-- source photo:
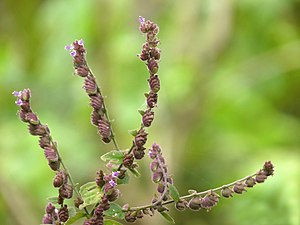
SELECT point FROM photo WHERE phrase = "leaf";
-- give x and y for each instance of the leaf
(174, 192)
(72, 211)
(111, 222)
(133, 132)
(53, 200)
(73, 219)
(141, 112)
(115, 211)
(90, 193)
(114, 155)
(135, 172)
(167, 217)
(125, 180)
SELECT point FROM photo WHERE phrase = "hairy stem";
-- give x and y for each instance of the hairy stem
(190, 195)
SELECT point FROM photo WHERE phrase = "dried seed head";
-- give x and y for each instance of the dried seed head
(148, 118)
(239, 187)
(152, 99)
(250, 182)
(104, 130)
(141, 138)
(210, 200)
(63, 213)
(154, 83)
(50, 208)
(268, 168)
(261, 176)
(181, 205)
(128, 160)
(226, 192)
(195, 203)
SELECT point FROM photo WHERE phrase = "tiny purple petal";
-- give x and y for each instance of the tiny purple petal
(80, 42)
(19, 102)
(112, 183)
(73, 53)
(141, 19)
(17, 93)
(69, 47)
(115, 174)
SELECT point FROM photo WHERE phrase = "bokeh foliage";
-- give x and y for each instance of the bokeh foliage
(230, 76)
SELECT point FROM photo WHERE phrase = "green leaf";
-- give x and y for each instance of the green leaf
(125, 180)
(114, 155)
(167, 217)
(73, 219)
(174, 192)
(72, 211)
(135, 172)
(133, 132)
(90, 193)
(141, 112)
(53, 200)
(111, 222)
(115, 211)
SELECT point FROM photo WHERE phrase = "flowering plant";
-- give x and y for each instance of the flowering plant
(95, 201)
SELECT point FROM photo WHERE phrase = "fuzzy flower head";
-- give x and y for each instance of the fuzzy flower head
(112, 183)
(115, 174)
(72, 47)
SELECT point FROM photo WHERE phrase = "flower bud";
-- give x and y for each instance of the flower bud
(157, 176)
(128, 160)
(44, 141)
(239, 187)
(104, 130)
(59, 179)
(250, 182)
(152, 66)
(138, 153)
(90, 85)
(99, 179)
(181, 205)
(154, 83)
(32, 118)
(260, 176)
(54, 165)
(210, 200)
(268, 168)
(226, 192)
(96, 101)
(194, 203)
(148, 118)
(114, 195)
(130, 217)
(50, 208)
(63, 213)
(78, 201)
(160, 188)
(51, 154)
(141, 138)
(47, 219)
(152, 99)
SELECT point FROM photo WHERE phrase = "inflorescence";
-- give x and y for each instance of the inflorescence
(101, 194)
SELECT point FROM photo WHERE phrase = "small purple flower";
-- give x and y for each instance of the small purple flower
(112, 183)
(19, 102)
(115, 174)
(80, 42)
(17, 93)
(141, 19)
(69, 47)
(73, 53)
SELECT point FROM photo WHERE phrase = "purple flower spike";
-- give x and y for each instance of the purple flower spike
(19, 102)
(115, 174)
(69, 47)
(141, 19)
(112, 183)
(73, 53)
(17, 93)
(80, 42)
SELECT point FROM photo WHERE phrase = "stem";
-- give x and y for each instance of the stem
(67, 171)
(106, 115)
(190, 195)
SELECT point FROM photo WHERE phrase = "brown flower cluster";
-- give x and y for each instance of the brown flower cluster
(98, 117)
(49, 146)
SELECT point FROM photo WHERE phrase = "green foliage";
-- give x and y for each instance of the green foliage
(74, 218)
(174, 192)
(115, 211)
(111, 222)
(91, 194)
(114, 156)
(167, 217)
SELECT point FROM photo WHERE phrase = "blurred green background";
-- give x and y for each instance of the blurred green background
(229, 100)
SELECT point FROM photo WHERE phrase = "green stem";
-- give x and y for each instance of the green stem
(67, 171)
(191, 195)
